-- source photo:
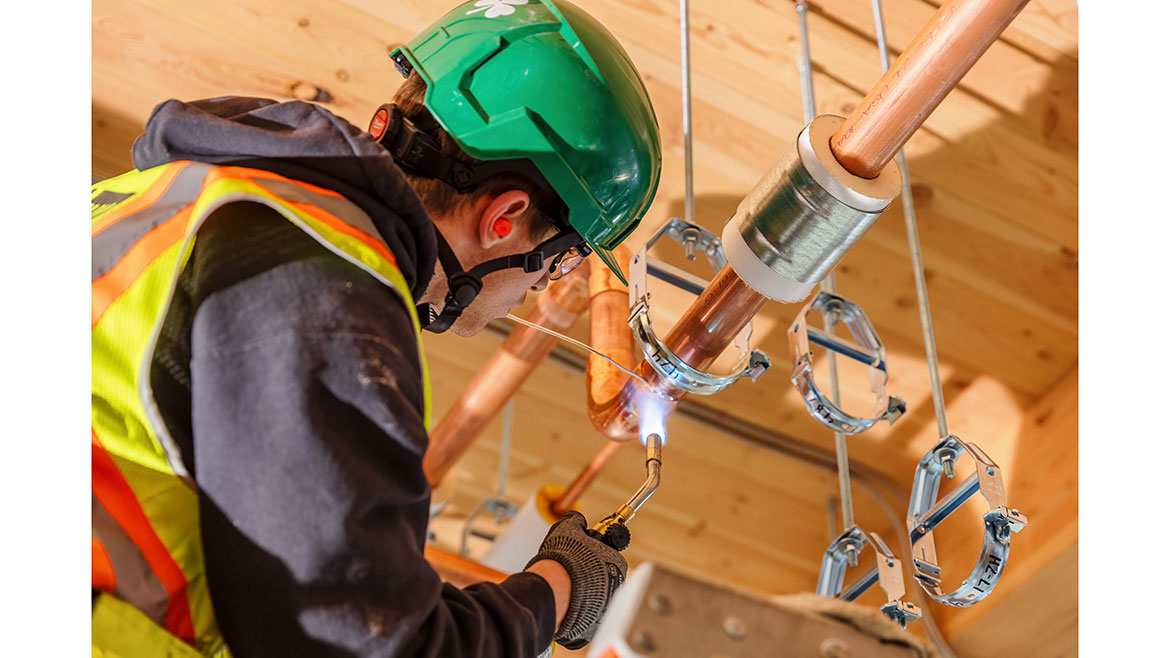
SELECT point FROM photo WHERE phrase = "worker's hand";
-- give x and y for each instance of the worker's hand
(595, 570)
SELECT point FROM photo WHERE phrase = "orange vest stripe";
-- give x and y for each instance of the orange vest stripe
(341, 227)
(263, 174)
(111, 285)
(144, 200)
(118, 498)
(314, 211)
(103, 572)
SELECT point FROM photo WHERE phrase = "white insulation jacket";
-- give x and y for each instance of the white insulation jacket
(519, 541)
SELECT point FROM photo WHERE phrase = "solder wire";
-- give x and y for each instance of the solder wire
(585, 346)
(829, 283)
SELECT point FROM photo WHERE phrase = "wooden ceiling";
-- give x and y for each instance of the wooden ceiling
(995, 186)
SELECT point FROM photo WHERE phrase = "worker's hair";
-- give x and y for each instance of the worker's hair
(440, 198)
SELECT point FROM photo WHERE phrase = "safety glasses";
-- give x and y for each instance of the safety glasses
(567, 251)
(568, 261)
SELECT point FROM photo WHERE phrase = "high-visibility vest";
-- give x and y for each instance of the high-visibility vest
(146, 545)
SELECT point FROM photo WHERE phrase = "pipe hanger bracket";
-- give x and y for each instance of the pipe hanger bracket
(695, 239)
(887, 573)
(926, 512)
(868, 350)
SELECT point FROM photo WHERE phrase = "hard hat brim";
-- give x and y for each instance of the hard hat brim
(611, 261)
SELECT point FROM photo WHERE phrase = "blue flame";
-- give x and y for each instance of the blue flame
(652, 412)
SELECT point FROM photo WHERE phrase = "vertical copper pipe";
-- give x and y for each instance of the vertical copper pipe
(558, 308)
(609, 308)
(460, 571)
(931, 66)
(700, 336)
(585, 478)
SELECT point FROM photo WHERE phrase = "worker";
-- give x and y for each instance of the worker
(260, 400)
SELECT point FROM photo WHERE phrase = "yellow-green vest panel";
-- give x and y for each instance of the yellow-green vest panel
(146, 544)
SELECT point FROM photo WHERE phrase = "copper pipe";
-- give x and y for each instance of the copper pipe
(609, 308)
(585, 478)
(931, 66)
(460, 571)
(499, 379)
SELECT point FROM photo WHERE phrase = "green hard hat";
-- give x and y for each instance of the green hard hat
(543, 80)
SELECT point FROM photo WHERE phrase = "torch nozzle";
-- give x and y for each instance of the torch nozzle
(653, 466)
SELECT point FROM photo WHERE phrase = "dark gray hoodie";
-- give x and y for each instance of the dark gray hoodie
(291, 381)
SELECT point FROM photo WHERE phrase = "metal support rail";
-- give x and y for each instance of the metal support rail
(936, 392)
(499, 506)
(684, 30)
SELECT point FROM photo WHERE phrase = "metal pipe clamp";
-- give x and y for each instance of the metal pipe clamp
(926, 512)
(887, 573)
(751, 363)
(868, 350)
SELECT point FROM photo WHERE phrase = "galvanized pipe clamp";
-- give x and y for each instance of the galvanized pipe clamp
(926, 512)
(751, 364)
(868, 350)
(887, 573)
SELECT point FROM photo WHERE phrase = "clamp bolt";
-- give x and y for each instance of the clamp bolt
(851, 555)
(690, 236)
(948, 464)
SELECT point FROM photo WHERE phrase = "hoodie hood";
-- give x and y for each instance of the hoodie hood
(304, 142)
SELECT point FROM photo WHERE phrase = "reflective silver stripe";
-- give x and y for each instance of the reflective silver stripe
(339, 207)
(111, 244)
(134, 580)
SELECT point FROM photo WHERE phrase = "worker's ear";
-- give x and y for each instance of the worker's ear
(499, 218)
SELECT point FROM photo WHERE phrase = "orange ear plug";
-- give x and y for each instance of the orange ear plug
(502, 227)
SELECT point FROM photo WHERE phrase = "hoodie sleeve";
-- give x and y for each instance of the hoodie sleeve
(308, 440)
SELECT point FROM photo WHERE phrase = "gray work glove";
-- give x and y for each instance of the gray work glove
(595, 570)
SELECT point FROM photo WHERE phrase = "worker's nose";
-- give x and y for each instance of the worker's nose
(541, 283)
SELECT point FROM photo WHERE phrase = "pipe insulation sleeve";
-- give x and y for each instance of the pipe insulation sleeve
(803, 216)
(756, 274)
(519, 541)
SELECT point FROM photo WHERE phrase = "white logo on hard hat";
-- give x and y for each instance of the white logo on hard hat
(497, 8)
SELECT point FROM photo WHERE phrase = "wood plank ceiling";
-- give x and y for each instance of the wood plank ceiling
(995, 184)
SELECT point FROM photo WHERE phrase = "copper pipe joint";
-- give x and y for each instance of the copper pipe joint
(931, 66)
(558, 308)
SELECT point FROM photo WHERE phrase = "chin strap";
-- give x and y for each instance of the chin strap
(464, 287)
